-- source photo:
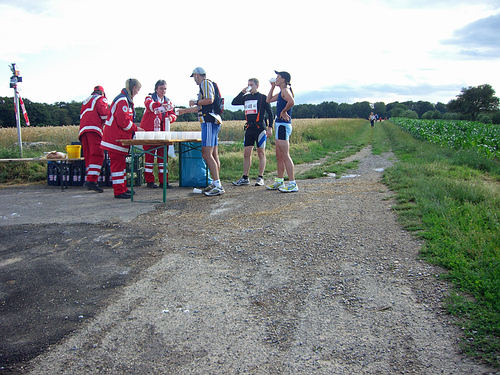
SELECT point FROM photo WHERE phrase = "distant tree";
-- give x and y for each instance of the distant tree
(361, 109)
(421, 107)
(474, 100)
(441, 107)
(326, 110)
(398, 109)
(409, 114)
(496, 117)
(380, 108)
(484, 118)
(344, 110)
(431, 115)
(451, 116)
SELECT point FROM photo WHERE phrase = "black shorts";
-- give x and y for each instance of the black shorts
(255, 136)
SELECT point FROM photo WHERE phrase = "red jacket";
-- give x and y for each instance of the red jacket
(95, 110)
(120, 124)
(151, 103)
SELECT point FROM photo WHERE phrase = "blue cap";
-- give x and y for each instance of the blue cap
(198, 70)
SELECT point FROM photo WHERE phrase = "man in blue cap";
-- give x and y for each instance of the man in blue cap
(210, 127)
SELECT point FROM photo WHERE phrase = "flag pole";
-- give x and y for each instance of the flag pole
(18, 122)
(13, 83)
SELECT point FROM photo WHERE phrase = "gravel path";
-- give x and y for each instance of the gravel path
(323, 281)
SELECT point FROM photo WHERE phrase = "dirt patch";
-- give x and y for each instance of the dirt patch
(323, 281)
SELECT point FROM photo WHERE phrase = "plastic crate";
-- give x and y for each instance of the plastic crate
(104, 178)
(138, 170)
(53, 178)
(77, 173)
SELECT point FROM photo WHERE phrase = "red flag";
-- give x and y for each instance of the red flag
(25, 114)
(23, 108)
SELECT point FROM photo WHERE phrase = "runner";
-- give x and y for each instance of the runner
(257, 129)
(283, 130)
(210, 127)
(372, 119)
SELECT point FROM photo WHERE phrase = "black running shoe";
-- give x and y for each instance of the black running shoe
(93, 186)
(123, 196)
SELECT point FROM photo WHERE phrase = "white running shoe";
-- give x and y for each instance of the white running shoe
(259, 181)
(290, 188)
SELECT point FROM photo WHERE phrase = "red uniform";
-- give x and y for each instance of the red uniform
(94, 112)
(119, 125)
(152, 102)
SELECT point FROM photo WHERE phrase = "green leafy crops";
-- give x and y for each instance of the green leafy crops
(484, 138)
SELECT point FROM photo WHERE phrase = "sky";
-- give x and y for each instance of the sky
(343, 51)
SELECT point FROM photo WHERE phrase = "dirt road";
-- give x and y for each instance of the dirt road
(323, 281)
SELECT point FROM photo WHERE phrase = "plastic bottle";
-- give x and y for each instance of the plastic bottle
(157, 124)
(167, 123)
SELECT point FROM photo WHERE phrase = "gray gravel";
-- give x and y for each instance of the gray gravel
(323, 281)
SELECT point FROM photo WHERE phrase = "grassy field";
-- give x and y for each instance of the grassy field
(310, 140)
(451, 199)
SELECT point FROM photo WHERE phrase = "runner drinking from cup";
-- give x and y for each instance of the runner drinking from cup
(283, 129)
(257, 129)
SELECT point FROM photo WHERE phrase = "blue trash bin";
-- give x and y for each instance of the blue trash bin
(193, 171)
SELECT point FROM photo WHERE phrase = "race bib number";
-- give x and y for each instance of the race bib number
(250, 107)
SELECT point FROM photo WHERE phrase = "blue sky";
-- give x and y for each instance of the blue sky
(345, 51)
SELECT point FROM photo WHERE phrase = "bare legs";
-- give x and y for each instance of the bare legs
(211, 157)
(247, 160)
(284, 160)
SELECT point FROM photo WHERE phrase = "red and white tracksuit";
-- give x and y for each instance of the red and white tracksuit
(94, 112)
(119, 125)
(152, 102)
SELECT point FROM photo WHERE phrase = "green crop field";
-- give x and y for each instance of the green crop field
(485, 138)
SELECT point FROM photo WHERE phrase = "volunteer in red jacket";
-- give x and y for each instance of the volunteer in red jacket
(157, 106)
(94, 112)
(120, 125)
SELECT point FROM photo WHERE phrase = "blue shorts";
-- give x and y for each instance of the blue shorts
(283, 130)
(209, 134)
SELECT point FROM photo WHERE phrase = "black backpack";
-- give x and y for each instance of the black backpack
(218, 104)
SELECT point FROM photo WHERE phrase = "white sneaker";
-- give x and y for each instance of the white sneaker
(290, 188)
(259, 181)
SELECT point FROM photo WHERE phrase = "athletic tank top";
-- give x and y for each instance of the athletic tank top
(281, 103)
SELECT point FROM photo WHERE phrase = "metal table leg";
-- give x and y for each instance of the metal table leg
(132, 152)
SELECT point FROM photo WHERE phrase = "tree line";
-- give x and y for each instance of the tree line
(473, 103)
